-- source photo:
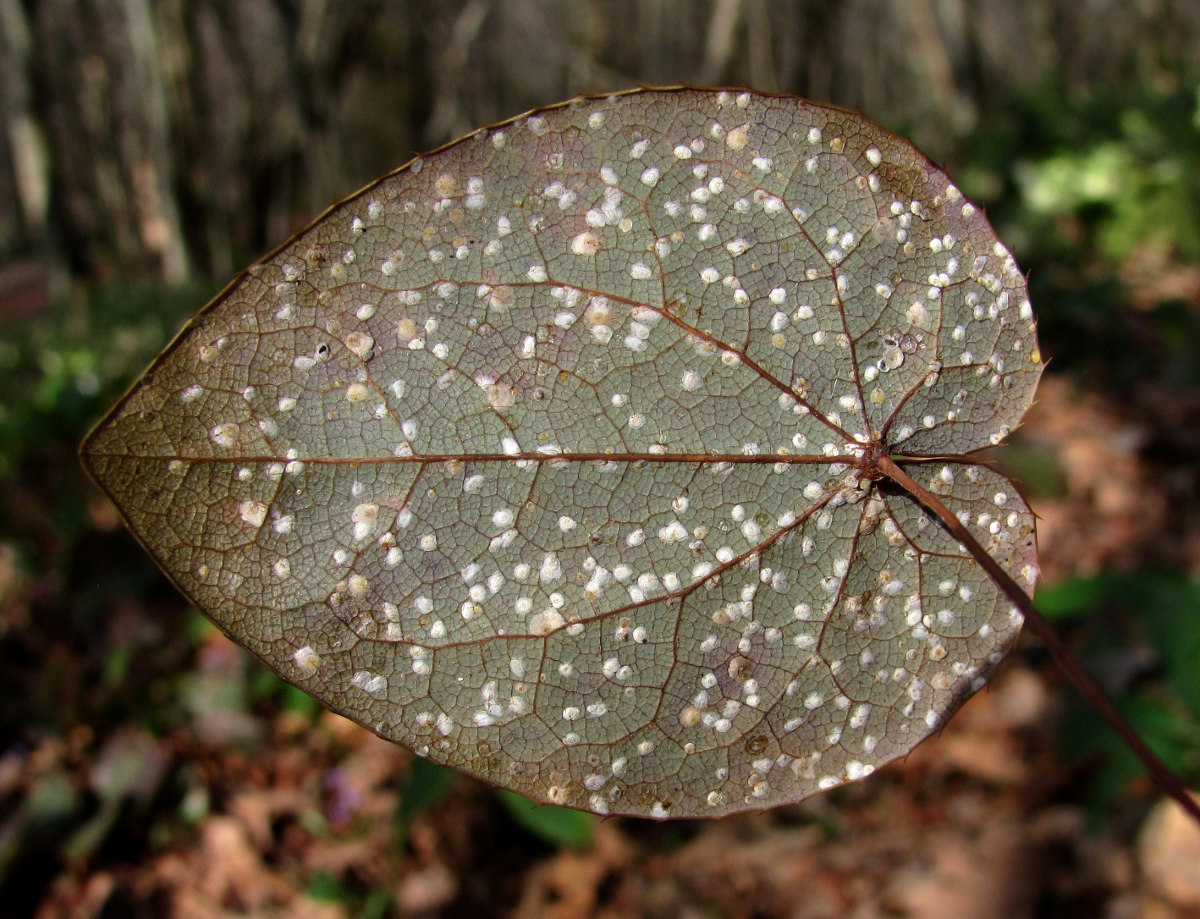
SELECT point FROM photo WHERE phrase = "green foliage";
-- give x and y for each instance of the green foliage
(74, 661)
(1100, 199)
(558, 826)
(357, 902)
(1129, 174)
(58, 369)
(426, 786)
(1142, 632)
(266, 686)
(1123, 155)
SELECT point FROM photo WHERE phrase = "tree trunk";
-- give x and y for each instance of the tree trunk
(165, 138)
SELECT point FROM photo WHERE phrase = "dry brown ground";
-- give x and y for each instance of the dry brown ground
(985, 820)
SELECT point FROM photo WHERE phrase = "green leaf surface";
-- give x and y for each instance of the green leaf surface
(551, 454)
(559, 826)
(1156, 686)
(427, 784)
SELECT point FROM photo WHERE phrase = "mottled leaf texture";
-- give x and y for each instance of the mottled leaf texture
(551, 455)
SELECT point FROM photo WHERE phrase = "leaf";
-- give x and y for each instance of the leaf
(426, 786)
(1156, 686)
(559, 826)
(553, 455)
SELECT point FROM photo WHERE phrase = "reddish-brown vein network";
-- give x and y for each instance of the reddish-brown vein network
(558, 455)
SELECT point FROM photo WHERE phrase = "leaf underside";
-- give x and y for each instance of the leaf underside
(547, 455)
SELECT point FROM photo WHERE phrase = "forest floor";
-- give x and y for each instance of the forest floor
(184, 782)
(149, 768)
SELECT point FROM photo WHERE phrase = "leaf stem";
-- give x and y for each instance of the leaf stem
(1162, 774)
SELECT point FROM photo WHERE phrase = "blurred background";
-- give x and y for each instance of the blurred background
(152, 148)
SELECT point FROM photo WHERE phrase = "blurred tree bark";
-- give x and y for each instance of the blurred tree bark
(168, 138)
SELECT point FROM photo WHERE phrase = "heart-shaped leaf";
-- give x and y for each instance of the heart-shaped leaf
(554, 455)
